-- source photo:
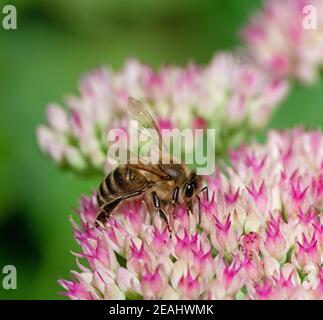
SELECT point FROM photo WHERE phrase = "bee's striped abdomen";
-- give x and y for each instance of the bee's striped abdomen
(120, 182)
(107, 190)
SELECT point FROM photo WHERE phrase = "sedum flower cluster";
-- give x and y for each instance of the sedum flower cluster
(286, 38)
(228, 94)
(259, 236)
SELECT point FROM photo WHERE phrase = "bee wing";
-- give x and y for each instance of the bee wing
(146, 125)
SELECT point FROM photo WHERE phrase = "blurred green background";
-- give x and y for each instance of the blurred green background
(56, 42)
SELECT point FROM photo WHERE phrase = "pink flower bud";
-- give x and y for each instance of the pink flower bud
(152, 283)
(307, 253)
(275, 243)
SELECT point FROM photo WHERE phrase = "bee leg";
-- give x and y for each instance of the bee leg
(174, 201)
(133, 194)
(160, 210)
(175, 195)
(206, 189)
(107, 208)
(102, 217)
(199, 204)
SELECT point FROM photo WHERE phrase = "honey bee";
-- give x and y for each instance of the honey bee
(161, 184)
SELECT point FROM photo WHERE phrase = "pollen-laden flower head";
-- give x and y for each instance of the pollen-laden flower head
(286, 38)
(228, 95)
(256, 239)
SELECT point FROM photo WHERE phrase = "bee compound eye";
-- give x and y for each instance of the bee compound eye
(189, 190)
